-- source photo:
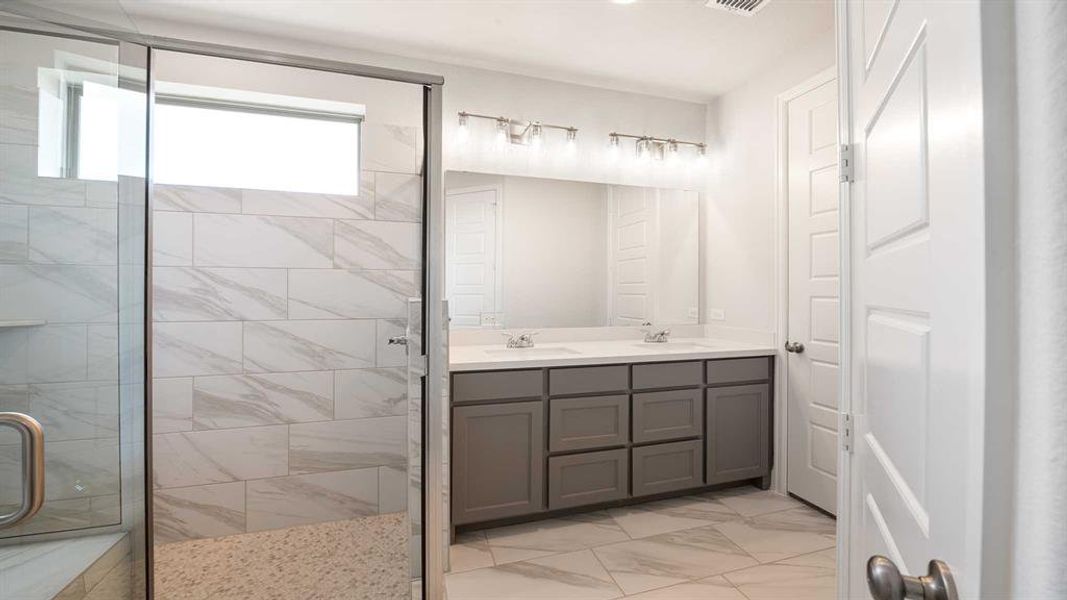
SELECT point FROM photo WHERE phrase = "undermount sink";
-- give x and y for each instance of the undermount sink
(674, 346)
(535, 351)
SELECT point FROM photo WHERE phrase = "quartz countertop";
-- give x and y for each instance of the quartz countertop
(567, 354)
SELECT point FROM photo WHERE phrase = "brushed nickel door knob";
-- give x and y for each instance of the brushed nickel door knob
(885, 581)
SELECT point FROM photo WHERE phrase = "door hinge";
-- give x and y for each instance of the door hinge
(844, 164)
(847, 432)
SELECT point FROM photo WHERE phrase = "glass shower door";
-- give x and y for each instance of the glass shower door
(72, 222)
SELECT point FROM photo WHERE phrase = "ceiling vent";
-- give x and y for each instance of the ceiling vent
(741, 7)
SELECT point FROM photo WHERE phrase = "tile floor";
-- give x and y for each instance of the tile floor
(742, 543)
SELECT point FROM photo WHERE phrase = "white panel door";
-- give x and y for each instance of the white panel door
(633, 253)
(812, 191)
(471, 257)
(917, 312)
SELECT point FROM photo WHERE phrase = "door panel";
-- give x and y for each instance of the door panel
(471, 248)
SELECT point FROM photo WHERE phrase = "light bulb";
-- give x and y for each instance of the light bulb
(463, 132)
(503, 127)
(536, 136)
(572, 141)
(672, 152)
(702, 156)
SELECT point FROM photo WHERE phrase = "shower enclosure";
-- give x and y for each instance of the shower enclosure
(212, 344)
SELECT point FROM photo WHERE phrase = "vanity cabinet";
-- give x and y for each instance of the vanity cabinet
(527, 442)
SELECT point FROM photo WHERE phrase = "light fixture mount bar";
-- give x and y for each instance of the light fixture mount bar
(519, 131)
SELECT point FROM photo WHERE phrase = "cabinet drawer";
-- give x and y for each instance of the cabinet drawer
(585, 380)
(739, 430)
(584, 423)
(661, 416)
(667, 467)
(666, 375)
(735, 370)
(496, 385)
(588, 478)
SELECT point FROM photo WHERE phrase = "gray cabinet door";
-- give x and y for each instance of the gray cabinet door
(668, 375)
(738, 432)
(586, 423)
(662, 416)
(739, 370)
(587, 478)
(497, 461)
(667, 467)
(588, 380)
(497, 385)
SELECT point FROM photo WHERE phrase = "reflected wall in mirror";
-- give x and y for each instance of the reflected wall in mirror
(524, 252)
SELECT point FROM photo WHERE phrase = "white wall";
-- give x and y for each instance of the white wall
(740, 225)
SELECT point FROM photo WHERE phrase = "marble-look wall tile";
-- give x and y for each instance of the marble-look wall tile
(303, 499)
(172, 405)
(13, 398)
(398, 197)
(57, 353)
(219, 294)
(14, 222)
(102, 352)
(377, 245)
(259, 241)
(81, 468)
(229, 401)
(14, 365)
(199, 512)
(73, 236)
(308, 345)
(201, 457)
(392, 490)
(59, 293)
(355, 444)
(105, 510)
(183, 349)
(392, 148)
(190, 198)
(105, 194)
(337, 293)
(391, 355)
(362, 393)
(18, 114)
(76, 411)
(19, 183)
(172, 235)
(57, 515)
(297, 204)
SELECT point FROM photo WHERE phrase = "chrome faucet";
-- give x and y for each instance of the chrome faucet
(523, 340)
(657, 337)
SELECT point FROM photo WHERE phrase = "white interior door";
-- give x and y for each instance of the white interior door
(811, 374)
(917, 311)
(633, 255)
(471, 279)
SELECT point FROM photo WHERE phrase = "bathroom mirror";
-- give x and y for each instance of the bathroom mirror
(529, 253)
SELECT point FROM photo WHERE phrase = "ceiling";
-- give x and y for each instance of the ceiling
(675, 48)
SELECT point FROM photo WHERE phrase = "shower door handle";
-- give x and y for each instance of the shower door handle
(32, 467)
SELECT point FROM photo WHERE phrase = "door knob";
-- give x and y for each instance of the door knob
(885, 581)
(794, 347)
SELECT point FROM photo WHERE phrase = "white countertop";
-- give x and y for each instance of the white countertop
(567, 354)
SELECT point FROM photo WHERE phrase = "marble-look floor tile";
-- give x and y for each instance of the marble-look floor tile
(377, 245)
(471, 551)
(208, 348)
(190, 198)
(641, 520)
(220, 294)
(712, 588)
(305, 499)
(199, 512)
(767, 582)
(298, 204)
(571, 576)
(352, 444)
(229, 401)
(823, 558)
(338, 293)
(259, 241)
(362, 393)
(749, 501)
(543, 538)
(172, 239)
(200, 457)
(775, 536)
(271, 346)
(671, 558)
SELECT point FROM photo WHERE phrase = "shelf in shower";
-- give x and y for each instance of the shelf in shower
(11, 323)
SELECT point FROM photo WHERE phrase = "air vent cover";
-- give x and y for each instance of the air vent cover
(741, 7)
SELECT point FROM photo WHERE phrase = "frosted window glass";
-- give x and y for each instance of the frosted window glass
(229, 148)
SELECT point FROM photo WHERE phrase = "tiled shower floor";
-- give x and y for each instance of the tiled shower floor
(741, 544)
(358, 559)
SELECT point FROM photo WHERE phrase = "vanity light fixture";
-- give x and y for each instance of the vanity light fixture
(517, 131)
(654, 148)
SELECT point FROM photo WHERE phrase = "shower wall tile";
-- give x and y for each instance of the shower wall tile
(58, 515)
(260, 241)
(81, 468)
(19, 183)
(377, 245)
(391, 355)
(183, 349)
(18, 114)
(76, 411)
(14, 223)
(362, 393)
(265, 399)
(392, 490)
(105, 194)
(393, 148)
(105, 510)
(73, 236)
(172, 239)
(172, 405)
(297, 204)
(273, 346)
(398, 197)
(102, 352)
(304, 499)
(13, 398)
(199, 512)
(202, 457)
(218, 294)
(59, 293)
(57, 353)
(355, 444)
(14, 363)
(337, 293)
(188, 198)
